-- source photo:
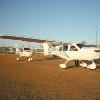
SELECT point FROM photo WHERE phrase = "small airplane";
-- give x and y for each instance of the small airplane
(72, 51)
(24, 52)
(69, 51)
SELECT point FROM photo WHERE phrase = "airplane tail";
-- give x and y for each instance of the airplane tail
(46, 48)
(17, 49)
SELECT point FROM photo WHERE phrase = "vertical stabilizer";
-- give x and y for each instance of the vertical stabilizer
(46, 48)
(17, 49)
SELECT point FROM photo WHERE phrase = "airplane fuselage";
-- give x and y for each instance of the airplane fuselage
(25, 54)
(79, 54)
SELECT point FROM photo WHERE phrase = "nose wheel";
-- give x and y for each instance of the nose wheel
(90, 66)
(29, 59)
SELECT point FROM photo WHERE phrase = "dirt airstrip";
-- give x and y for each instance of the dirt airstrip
(42, 79)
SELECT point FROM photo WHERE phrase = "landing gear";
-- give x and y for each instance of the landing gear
(77, 63)
(63, 65)
(29, 59)
(17, 58)
(90, 66)
(80, 63)
(83, 64)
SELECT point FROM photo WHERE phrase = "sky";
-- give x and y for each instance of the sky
(61, 20)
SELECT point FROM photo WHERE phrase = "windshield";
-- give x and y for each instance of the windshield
(80, 45)
(83, 45)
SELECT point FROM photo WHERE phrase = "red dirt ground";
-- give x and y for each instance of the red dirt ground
(42, 79)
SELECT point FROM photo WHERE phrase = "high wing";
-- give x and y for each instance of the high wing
(27, 39)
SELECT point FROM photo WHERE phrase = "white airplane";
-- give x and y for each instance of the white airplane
(24, 52)
(71, 51)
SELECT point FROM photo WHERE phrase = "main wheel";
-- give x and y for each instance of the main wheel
(77, 63)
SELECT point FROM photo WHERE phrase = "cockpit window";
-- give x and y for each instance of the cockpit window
(73, 48)
(80, 45)
(83, 45)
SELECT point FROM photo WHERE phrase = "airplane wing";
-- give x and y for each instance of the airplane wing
(27, 39)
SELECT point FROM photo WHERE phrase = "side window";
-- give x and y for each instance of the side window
(60, 49)
(73, 48)
(65, 48)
